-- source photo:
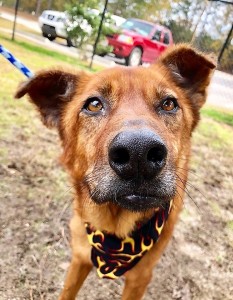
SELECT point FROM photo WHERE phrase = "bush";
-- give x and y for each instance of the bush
(83, 27)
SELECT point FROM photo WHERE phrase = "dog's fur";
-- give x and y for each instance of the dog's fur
(132, 100)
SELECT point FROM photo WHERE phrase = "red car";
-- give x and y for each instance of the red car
(140, 41)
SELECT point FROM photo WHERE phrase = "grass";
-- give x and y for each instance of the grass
(217, 134)
(6, 24)
(218, 115)
(215, 129)
(46, 53)
(230, 225)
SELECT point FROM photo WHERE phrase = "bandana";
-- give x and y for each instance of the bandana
(113, 256)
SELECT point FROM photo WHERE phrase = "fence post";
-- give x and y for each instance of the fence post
(99, 32)
(16, 11)
(225, 44)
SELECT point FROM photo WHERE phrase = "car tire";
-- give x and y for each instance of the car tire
(135, 57)
(51, 38)
(69, 42)
(102, 54)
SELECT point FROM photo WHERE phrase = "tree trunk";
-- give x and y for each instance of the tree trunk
(50, 2)
(38, 6)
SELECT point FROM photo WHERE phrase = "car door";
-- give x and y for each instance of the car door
(153, 46)
(166, 40)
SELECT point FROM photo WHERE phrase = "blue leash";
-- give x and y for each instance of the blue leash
(15, 62)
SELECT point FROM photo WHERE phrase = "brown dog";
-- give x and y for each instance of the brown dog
(126, 138)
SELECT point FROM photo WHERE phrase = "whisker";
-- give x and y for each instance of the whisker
(189, 171)
(188, 194)
(192, 186)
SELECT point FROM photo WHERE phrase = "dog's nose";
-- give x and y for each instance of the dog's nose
(137, 154)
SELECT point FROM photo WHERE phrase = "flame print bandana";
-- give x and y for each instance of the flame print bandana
(113, 256)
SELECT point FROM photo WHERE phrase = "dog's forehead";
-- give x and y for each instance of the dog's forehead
(125, 80)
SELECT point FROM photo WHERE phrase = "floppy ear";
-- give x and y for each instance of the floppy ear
(50, 91)
(190, 70)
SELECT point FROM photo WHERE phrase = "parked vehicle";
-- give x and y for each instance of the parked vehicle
(140, 41)
(117, 21)
(53, 24)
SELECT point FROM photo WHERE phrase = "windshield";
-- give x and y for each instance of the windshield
(137, 26)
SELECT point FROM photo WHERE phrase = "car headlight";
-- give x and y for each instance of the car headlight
(125, 39)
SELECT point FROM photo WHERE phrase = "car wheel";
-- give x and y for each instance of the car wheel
(135, 57)
(51, 38)
(69, 42)
(102, 54)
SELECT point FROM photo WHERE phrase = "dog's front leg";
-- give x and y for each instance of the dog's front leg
(80, 264)
(136, 284)
(76, 275)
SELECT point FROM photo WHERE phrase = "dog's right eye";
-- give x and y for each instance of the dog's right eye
(93, 105)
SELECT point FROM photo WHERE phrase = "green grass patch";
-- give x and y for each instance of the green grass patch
(230, 225)
(6, 24)
(216, 209)
(214, 134)
(218, 115)
(50, 53)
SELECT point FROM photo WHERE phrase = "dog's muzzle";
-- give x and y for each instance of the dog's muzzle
(139, 178)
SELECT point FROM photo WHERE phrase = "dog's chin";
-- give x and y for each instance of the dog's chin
(136, 203)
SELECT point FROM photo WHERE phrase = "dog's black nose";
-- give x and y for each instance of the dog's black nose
(137, 154)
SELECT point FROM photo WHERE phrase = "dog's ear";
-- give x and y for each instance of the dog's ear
(190, 70)
(50, 91)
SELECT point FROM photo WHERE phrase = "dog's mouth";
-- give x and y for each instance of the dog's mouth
(134, 196)
(136, 202)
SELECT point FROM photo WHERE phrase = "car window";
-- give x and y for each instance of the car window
(137, 26)
(44, 14)
(166, 39)
(157, 35)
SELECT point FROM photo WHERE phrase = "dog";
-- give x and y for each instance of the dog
(125, 133)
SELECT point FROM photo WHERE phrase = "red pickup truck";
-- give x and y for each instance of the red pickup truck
(140, 41)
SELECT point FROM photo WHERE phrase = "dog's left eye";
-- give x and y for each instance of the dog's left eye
(169, 104)
(93, 105)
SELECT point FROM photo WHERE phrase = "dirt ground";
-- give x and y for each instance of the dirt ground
(35, 207)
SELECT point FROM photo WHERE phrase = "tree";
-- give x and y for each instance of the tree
(147, 10)
(83, 26)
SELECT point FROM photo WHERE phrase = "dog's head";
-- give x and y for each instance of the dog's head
(126, 131)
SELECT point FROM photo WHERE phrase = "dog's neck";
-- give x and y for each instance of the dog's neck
(116, 220)
(114, 210)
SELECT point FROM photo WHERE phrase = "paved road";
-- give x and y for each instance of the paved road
(20, 20)
(220, 90)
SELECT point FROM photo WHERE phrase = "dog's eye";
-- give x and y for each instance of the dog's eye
(93, 105)
(169, 104)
